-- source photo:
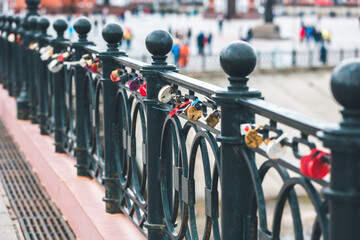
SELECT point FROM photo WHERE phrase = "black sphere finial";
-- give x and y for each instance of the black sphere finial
(159, 43)
(17, 20)
(82, 26)
(33, 22)
(238, 59)
(345, 84)
(112, 34)
(60, 26)
(43, 24)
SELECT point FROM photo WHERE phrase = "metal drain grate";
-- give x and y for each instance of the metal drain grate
(38, 216)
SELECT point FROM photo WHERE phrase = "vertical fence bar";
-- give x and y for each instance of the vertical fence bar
(343, 193)
(6, 52)
(23, 99)
(238, 60)
(43, 24)
(112, 34)
(59, 87)
(159, 44)
(1, 48)
(356, 52)
(31, 66)
(10, 57)
(16, 46)
(82, 26)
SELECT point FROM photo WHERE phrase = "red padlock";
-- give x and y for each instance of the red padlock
(179, 108)
(314, 165)
(142, 90)
(115, 76)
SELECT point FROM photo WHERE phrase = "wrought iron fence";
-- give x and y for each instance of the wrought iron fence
(127, 124)
(276, 59)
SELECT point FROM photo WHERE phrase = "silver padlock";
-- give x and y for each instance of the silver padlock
(166, 94)
(274, 148)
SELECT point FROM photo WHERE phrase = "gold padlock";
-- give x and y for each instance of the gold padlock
(86, 56)
(193, 113)
(213, 118)
(66, 55)
(253, 139)
(89, 62)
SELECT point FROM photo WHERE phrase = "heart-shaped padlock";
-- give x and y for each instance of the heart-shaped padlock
(142, 90)
(274, 148)
(213, 118)
(165, 94)
(253, 139)
(115, 75)
(313, 165)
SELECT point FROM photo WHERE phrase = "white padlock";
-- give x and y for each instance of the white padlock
(166, 94)
(55, 66)
(274, 148)
(11, 37)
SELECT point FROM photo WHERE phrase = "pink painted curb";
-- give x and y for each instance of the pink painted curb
(78, 198)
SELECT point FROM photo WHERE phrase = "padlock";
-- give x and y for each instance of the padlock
(193, 113)
(46, 53)
(134, 84)
(115, 75)
(11, 37)
(314, 165)
(34, 46)
(274, 148)
(213, 118)
(253, 139)
(180, 108)
(63, 56)
(142, 90)
(55, 66)
(245, 128)
(88, 64)
(96, 67)
(166, 94)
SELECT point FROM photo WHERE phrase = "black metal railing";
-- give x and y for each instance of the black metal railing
(143, 143)
(271, 60)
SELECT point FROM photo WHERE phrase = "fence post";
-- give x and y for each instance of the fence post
(16, 50)
(356, 52)
(82, 26)
(31, 70)
(159, 44)
(60, 26)
(43, 24)
(2, 22)
(238, 60)
(10, 57)
(293, 57)
(23, 99)
(343, 193)
(112, 34)
(6, 52)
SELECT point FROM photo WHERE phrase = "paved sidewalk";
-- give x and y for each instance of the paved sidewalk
(8, 229)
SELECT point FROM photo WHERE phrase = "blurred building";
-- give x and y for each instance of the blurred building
(57, 6)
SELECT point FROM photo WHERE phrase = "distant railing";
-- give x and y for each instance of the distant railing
(270, 60)
(141, 142)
